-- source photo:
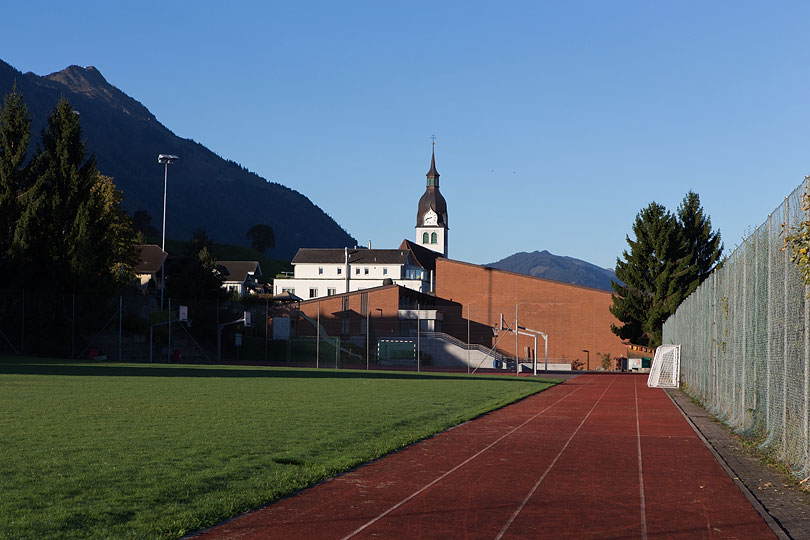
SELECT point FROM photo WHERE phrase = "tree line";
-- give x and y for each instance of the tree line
(62, 226)
(61, 222)
(669, 256)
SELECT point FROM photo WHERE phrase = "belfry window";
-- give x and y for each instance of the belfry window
(425, 238)
(433, 238)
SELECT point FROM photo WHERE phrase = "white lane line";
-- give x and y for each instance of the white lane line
(440, 478)
(551, 465)
(640, 471)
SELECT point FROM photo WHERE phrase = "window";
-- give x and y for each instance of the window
(330, 291)
(357, 271)
(425, 238)
(365, 271)
(313, 292)
(385, 271)
(320, 270)
(288, 290)
(432, 238)
(340, 271)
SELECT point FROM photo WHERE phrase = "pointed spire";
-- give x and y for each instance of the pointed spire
(433, 174)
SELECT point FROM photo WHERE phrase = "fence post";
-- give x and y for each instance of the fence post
(266, 318)
(806, 408)
(73, 328)
(785, 333)
(743, 408)
(120, 325)
(318, 337)
(22, 325)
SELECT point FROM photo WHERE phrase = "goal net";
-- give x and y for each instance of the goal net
(666, 367)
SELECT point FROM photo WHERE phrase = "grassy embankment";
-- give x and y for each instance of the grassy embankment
(156, 451)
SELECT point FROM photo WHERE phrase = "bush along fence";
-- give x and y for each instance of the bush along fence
(745, 336)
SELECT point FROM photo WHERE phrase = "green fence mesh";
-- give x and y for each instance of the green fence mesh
(745, 341)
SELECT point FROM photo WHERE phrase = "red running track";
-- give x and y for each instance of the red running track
(600, 456)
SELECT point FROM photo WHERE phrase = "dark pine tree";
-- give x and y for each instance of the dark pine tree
(702, 244)
(15, 133)
(71, 226)
(652, 273)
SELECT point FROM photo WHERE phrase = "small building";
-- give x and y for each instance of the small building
(150, 261)
(240, 277)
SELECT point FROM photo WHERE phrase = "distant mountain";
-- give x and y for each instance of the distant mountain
(204, 189)
(566, 269)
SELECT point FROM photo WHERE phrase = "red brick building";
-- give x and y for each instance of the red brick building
(575, 318)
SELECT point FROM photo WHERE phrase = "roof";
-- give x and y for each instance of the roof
(149, 259)
(424, 257)
(432, 199)
(356, 256)
(238, 270)
(433, 173)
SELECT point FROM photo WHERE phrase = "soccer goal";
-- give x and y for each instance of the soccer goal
(666, 367)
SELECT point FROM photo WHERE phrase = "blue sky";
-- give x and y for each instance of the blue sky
(555, 122)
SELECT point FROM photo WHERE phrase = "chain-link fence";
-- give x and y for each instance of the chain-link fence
(745, 340)
(132, 327)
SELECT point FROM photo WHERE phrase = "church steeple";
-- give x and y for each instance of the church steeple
(433, 174)
(431, 214)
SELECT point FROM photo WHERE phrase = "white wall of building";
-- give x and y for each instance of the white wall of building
(441, 238)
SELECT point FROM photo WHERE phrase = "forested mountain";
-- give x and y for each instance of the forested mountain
(566, 269)
(205, 190)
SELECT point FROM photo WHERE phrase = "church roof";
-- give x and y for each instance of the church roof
(433, 173)
(356, 256)
(432, 198)
(426, 258)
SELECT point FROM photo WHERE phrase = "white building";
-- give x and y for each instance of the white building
(239, 277)
(325, 272)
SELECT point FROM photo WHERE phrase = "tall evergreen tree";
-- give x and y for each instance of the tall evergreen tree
(702, 244)
(15, 133)
(652, 273)
(71, 225)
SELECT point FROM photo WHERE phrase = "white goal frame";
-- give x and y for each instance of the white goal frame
(666, 367)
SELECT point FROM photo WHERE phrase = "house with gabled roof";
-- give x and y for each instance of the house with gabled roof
(239, 277)
(150, 261)
(330, 271)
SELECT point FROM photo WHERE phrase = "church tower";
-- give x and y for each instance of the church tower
(431, 215)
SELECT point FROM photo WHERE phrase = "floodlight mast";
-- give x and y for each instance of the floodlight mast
(165, 160)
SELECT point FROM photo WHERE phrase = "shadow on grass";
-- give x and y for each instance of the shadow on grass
(13, 366)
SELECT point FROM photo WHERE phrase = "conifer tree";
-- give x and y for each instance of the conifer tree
(652, 273)
(15, 133)
(703, 245)
(71, 231)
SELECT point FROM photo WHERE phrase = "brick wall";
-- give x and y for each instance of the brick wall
(574, 317)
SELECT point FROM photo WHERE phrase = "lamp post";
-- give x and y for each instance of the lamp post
(165, 159)
(587, 358)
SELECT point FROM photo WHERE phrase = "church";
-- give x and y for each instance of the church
(330, 271)
(467, 314)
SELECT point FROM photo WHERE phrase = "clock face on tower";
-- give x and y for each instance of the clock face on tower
(430, 218)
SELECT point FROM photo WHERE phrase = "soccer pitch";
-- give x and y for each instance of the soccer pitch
(158, 451)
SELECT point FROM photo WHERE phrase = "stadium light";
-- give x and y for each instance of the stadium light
(165, 159)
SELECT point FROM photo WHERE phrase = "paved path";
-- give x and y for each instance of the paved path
(600, 456)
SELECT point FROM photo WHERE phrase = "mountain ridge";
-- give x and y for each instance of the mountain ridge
(546, 265)
(204, 189)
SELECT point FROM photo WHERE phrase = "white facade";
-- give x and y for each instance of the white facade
(316, 280)
(432, 237)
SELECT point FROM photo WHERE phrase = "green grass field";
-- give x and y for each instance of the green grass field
(157, 451)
